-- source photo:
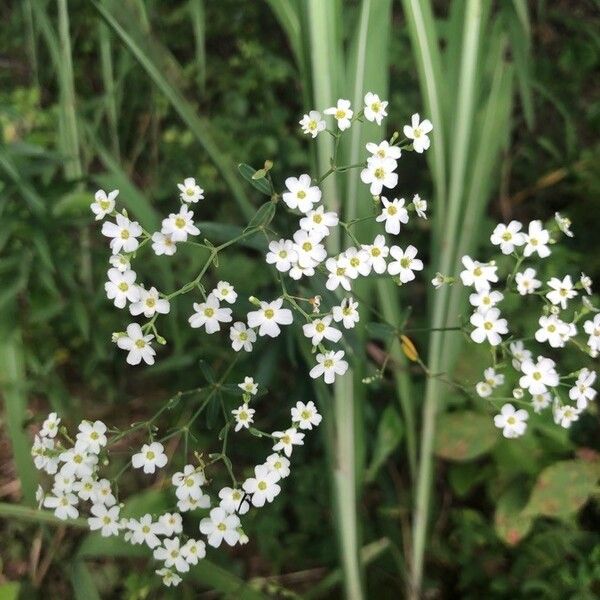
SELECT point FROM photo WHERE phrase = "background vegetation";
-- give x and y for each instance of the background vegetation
(137, 95)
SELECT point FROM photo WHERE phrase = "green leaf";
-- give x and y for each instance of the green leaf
(82, 582)
(74, 203)
(563, 488)
(255, 178)
(510, 523)
(464, 435)
(389, 435)
(264, 215)
(10, 590)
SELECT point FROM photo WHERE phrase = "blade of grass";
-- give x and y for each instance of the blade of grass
(199, 26)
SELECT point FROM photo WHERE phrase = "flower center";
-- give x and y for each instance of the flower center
(283, 253)
(392, 210)
(189, 192)
(375, 251)
(379, 173)
(243, 416)
(477, 271)
(94, 435)
(106, 520)
(488, 325)
(340, 113)
(150, 455)
(376, 107)
(123, 286)
(328, 363)
(286, 440)
(301, 194)
(189, 482)
(320, 327)
(305, 414)
(537, 375)
(405, 263)
(104, 204)
(145, 529)
(243, 336)
(417, 132)
(511, 420)
(140, 343)
(269, 313)
(507, 235)
(307, 246)
(317, 218)
(124, 234)
(180, 222)
(551, 328)
(209, 312)
(262, 486)
(150, 302)
(340, 271)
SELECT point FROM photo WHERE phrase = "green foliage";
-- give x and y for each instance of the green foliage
(464, 435)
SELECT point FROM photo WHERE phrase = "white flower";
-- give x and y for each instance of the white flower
(85, 489)
(420, 206)
(190, 503)
(145, 531)
(120, 262)
(306, 415)
(124, 234)
(483, 389)
(105, 519)
(232, 501)
(586, 283)
(170, 553)
(565, 415)
(150, 457)
(393, 213)
(190, 190)
(225, 292)
(169, 578)
(301, 194)
(526, 282)
(405, 263)
(520, 354)
(540, 401)
(384, 150)
(287, 440)
(220, 526)
(438, 281)
(188, 483)
(210, 315)
(340, 273)
(64, 483)
(511, 421)
(179, 225)
(137, 344)
(282, 254)
(478, 274)
(564, 224)
(102, 493)
(121, 287)
(263, 487)
(149, 303)
(163, 244)
(582, 391)
(297, 271)
(308, 249)
(417, 131)
(538, 377)
(374, 108)
(536, 240)
(552, 330)
(244, 416)
(248, 386)
(241, 337)
(342, 113)
(561, 291)
(269, 317)
(103, 205)
(377, 252)
(91, 436)
(78, 463)
(318, 222)
(492, 378)
(359, 261)
(63, 505)
(193, 551)
(329, 365)
(170, 523)
(488, 326)
(347, 313)
(279, 465)
(508, 236)
(312, 123)
(485, 299)
(320, 329)
(43, 454)
(592, 328)
(379, 173)
(50, 426)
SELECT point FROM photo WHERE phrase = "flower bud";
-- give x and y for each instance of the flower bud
(518, 394)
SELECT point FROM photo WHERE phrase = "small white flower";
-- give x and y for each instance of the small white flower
(520, 354)
(347, 313)
(263, 487)
(220, 526)
(193, 551)
(170, 524)
(329, 365)
(374, 108)
(586, 283)
(244, 416)
(63, 505)
(297, 271)
(150, 457)
(120, 262)
(392, 214)
(225, 292)
(121, 287)
(379, 173)
(137, 344)
(438, 281)
(179, 225)
(318, 222)
(565, 416)
(511, 421)
(359, 261)
(248, 386)
(384, 150)
(169, 577)
(417, 132)
(170, 553)
(477, 274)
(241, 337)
(301, 194)
(190, 190)
(78, 463)
(538, 377)
(269, 317)
(485, 300)
(342, 113)
(540, 401)
(50, 426)
(341, 273)
(85, 488)
(287, 440)
(306, 415)
(420, 206)
(377, 252)
(163, 244)
(188, 483)
(405, 263)
(552, 330)
(282, 254)
(508, 236)
(320, 329)
(210, 315)
(232, 501)
(564, 224)
(124, 234)
(592, 328)
(582, 391)
(483, 389)
(103, 205)
(150, 303)
(91, 436)
(309, 250)
(102, 493)
(526, 282)
(105, 519)
(64, 483)
(488, 326)
(561, 291)
(536, 240)
(312, 123)
(279, 465)
(190, 503)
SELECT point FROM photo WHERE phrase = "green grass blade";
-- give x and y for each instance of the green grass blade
(84, 587)
(199, 26)
(110, 92)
